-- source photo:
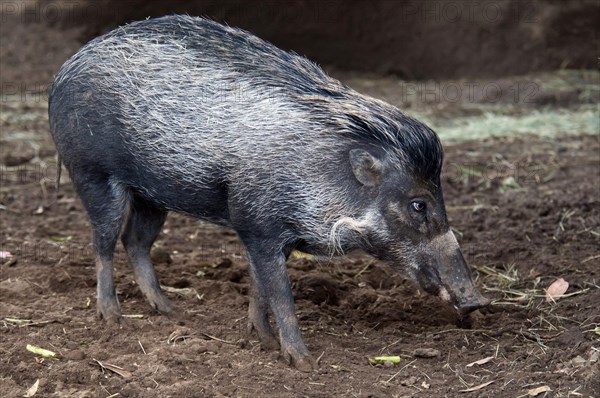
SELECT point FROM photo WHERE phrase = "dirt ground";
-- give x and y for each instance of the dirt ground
(526, 210)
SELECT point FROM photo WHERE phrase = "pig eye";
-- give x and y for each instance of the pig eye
(418, 205)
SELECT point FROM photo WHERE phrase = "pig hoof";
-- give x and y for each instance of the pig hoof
(268, 341)
(110, 313)
(302, 362)
(164, 306)
(306, 364)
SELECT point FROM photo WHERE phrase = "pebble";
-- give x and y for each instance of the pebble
(426, 353)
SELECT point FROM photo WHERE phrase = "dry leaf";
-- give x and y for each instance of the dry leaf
(538, 390)
(480, 362)
(118, 370)
(33, 389)
(115, 369)
(186, 291)
(479, 387)
(556, 289)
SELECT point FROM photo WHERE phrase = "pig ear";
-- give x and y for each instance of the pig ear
(366, 168)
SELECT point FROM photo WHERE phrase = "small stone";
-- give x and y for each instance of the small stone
(426, 353)
(409, 382)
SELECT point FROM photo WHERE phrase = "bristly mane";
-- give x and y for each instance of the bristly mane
(375, 122)
(360, 116)
(417, 146)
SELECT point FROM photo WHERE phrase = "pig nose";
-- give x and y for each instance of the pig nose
(475, 304)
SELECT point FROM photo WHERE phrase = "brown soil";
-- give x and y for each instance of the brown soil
(526, 211)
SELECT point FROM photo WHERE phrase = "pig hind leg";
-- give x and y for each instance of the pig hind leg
(106, 203)
(142, 228)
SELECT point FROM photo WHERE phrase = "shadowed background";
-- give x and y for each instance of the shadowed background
(411, 39)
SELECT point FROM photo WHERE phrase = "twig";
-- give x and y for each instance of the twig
(319, 358)
(142, 347)
(217, 339)
(363, 269)
(401, 369)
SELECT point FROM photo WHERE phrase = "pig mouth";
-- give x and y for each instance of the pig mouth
(469, 300)
(445, 296)
(463, 308)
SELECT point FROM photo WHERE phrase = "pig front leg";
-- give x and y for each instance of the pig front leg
(271, 286)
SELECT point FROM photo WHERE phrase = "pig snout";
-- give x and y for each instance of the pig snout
(450, 278)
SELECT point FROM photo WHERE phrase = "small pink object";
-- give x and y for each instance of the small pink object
(556, 289)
